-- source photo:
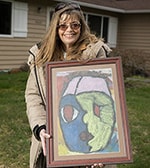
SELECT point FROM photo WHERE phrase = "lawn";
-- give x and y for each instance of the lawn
(14, 128)
(15, 132)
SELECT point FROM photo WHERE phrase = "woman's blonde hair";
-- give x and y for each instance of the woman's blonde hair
(51, 45)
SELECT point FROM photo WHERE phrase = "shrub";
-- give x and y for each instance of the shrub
(133, 61)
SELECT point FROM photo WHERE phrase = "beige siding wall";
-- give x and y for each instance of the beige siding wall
(14, 51)
(134, 31)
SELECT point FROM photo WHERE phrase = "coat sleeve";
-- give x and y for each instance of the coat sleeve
(35, 109)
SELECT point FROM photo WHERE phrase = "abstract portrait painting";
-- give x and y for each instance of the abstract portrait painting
(86, 113)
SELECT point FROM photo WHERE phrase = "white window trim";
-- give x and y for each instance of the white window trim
(49, 9)
(18, 30)
(20, 19)
(112, 32)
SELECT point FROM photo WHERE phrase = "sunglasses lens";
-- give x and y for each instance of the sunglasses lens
(63, 27)
(75, 26)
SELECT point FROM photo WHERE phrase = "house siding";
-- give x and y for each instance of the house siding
(13, 50)
(134, 33)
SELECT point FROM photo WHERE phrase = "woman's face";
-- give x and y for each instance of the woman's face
(69, 30)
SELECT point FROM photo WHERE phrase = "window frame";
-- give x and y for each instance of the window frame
(12, 19)
(19, 19)
(102, 21)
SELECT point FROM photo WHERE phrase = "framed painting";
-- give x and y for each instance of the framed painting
(86, 113)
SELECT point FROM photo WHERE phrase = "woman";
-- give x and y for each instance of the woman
(68, 38)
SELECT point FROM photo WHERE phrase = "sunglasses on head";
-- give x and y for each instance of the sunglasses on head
(73, 26)
(71, 4)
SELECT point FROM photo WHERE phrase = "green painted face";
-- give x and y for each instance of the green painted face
(99, 117)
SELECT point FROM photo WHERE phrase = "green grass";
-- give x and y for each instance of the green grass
(14, 128)
(15, 132)
(138, 104)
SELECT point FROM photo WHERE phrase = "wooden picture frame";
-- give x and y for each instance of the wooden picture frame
(86, 113)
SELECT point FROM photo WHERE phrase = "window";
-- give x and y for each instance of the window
(5, 17)
(104, 27)
(95, 28)
(112, 31)
(98, 25)
(13, 18)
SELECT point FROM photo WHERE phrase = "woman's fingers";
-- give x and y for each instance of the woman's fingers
(43, 136)
(98, 165)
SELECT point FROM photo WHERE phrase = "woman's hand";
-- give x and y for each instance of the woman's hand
(43, 136)
(97, 165)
